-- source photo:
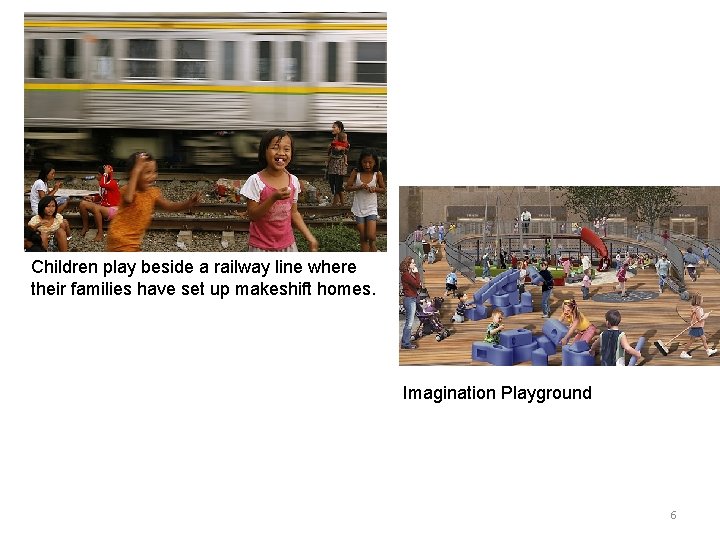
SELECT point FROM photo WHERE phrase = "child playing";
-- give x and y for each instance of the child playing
(463, 304)
(706, 254)
(495, 327)
(586, 284)
(106, 207)
(613, 343)
(663, 271)
(451, 282)
(622, 278)
(366, 181)
(272, 195)
(579, 326)
(137, 205)
(49, 222)
(697, 328)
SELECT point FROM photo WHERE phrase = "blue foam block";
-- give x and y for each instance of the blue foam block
(535, 277)
(478, 296)
(513, 296)
(526, 299)
(640, 344)
(497, 355)
(478, 313)
(526, 309)
(554, 330)
(515, 337)
(539, 357)
(579, 346)
(500, 300)
(522, 353)
(545, 344)
(507, 311)
(574, 358)
(517, 309)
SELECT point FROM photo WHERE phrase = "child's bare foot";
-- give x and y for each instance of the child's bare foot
(98, 237)
(83, 232)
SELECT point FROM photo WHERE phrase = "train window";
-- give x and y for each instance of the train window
(264, 65)
(142, 58)
(41, 64)
(69, 60)
(228, 66)
(371, 63)
(332, 59)
(190, 59)
(103, 60)
(292, 63)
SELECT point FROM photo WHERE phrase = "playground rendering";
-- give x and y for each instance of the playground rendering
(622, 260)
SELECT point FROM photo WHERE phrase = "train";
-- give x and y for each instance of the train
(199, 90)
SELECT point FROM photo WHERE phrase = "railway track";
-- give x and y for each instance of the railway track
(216, 216)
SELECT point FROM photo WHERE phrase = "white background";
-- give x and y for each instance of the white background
(283, 418)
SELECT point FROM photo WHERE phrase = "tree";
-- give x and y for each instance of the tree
(591, 202)
(651, 203)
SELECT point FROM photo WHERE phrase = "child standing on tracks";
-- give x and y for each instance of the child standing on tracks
(613, 343)
(366, 181)
(137, 205)
(337, 162)
(272, 195)
(697, 326)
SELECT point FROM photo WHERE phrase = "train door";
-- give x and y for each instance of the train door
(280, 75)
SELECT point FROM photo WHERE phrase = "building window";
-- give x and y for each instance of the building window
(41, 65)
(190, 59)
(228, 67)
(331, 67)
(142, 61)
(264, 58)
(683, 226)
(371, 62)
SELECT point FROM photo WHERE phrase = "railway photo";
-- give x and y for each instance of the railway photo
(197, 92)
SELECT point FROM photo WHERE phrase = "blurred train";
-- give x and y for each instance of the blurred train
(200, 89)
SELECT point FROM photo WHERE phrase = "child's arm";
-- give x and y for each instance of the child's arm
(131, 187)
(380, 187)
(498, 329)
(570, 332)
(628, 349)
(350, 183)
(595, 345)
(299, 224)
(177, 206)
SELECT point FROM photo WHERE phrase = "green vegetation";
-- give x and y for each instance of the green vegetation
(337, 238)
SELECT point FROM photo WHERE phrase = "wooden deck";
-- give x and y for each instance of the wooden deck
(655, 319)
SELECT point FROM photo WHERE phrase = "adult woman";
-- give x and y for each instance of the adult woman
(410, 280)
(578, 325)
(48, 222)
(337, 163)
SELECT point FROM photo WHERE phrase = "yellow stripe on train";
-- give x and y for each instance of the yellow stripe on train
(83, 87)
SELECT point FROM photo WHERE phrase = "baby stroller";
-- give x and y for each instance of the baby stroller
(428, 313)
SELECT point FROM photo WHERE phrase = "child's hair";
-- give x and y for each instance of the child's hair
(405, 264)
(496, 311)
(46, 168)
(268, 138)
(101, 168)
(452, 269)
(696, 299)
(339, 124)
(369, 152)
(43, 204)
(572, 304)
(613, 317)
(586, 271)
(32, 235)
(133, 158)
(462, 295)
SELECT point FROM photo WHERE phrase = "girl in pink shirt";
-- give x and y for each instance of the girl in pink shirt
(272, 196)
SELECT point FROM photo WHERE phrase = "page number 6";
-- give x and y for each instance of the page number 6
(673, 514)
